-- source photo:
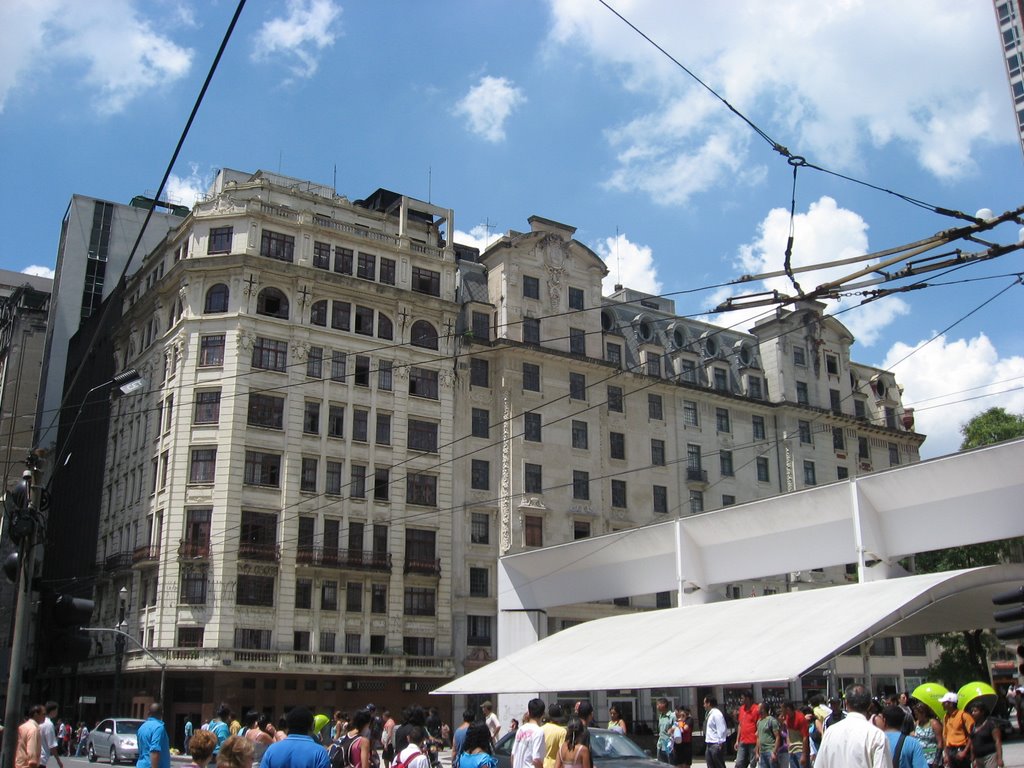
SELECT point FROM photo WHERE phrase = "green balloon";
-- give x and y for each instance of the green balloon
(319, 722)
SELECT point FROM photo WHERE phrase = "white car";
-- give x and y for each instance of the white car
(115, 738)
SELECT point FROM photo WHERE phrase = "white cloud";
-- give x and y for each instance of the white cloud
(629, 264)
(824, 79)
(478, 237)
(118, 52)
(39, 271)
(488, 105)
(306, 30)
(185, 190)
(824, 233)
(947, 381)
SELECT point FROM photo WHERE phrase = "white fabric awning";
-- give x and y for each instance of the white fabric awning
(773, 638)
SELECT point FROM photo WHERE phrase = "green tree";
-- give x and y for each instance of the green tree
(964, 657)
(992, 426)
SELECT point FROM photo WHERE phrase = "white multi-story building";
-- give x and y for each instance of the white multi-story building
(349, 419)
(278, 502)
(581, 415)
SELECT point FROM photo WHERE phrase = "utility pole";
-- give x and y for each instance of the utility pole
(28, 496)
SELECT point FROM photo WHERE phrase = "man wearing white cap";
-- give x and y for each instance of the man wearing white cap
(956, 733)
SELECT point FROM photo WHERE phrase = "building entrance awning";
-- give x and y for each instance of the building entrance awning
(737, 642)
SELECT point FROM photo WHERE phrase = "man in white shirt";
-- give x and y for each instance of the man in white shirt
(493, 724)
(48, 736)
(715, 734)
(853, 742)
(413, 755)
(529, 748)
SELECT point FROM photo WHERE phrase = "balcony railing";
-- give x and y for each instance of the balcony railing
(146, 555)
(122, 561)
(193, 550)
(346, 559)
(428, 567)
(364, 561)
(694, 475)
(341, 226)
(268, 553)
(259, 660)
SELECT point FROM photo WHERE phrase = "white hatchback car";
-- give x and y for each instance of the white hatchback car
(115, 738)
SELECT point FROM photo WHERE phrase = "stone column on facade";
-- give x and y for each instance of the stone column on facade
(505, 493)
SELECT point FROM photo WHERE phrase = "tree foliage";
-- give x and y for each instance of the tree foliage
(963, 658)
(963, 655)
(992, 426)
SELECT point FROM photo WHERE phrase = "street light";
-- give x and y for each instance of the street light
(128, 381)
(119, 642)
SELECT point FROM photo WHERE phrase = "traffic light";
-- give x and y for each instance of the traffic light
(1010, 614)
(68, 643)
(17, 503)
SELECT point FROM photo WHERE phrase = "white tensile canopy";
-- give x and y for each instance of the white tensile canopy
(872, 521)
(771, 638)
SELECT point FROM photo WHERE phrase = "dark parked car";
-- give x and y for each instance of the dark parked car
(115, 738)
(607, 748)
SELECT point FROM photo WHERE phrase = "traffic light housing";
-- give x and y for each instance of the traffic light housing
(68, 644)
(1006, 615)
(17, 504)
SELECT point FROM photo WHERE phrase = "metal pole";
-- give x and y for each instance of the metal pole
(122, 636)
(22, 619)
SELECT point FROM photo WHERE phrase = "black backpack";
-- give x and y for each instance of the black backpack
(340, 752)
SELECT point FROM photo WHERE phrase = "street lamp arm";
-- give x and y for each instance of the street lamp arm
(140, 646)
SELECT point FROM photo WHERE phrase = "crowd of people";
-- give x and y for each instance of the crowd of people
(366, 739)
(854, 732)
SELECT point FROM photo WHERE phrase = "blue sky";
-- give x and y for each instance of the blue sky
(502, 109)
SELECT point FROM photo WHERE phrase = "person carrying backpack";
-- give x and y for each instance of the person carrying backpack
(352, 749)
(413, 755)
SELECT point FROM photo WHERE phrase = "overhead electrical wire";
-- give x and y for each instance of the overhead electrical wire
(775, 146)
(792, 159)
(69, 386)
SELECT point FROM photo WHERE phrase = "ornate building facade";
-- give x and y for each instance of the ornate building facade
(349, 419)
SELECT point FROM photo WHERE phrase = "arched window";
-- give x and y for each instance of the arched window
(217, 298)
(318, 313)
(273, 303)
(423, 335)
(385, 328)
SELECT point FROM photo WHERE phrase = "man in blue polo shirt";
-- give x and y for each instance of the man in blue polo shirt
(298, 750)
(154, 746)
